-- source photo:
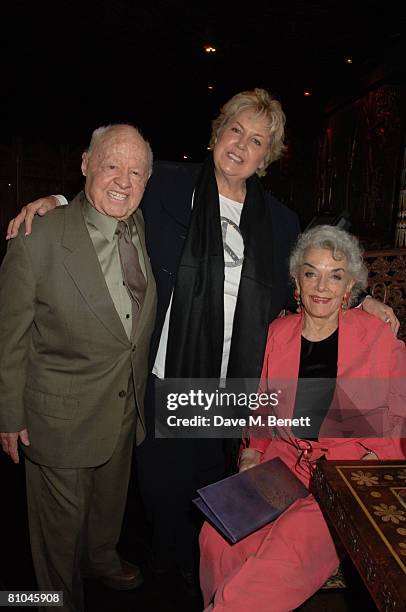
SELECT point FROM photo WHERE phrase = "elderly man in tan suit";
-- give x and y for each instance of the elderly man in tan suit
(77, 308)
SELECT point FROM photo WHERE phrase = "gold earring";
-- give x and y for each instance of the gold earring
(345, 301)
(296, 295)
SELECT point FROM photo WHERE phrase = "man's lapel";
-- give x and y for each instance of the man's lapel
(149, 303)
(84, 268)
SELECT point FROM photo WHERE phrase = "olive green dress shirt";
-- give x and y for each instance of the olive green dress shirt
(102, 231)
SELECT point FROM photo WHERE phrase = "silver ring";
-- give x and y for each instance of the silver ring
(387, 320)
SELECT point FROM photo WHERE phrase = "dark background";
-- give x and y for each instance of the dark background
(68, 67)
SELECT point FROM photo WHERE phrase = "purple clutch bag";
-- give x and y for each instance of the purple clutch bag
(244, 502)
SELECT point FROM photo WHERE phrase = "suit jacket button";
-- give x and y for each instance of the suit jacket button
(122, 393)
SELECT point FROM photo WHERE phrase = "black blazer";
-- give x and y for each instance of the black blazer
(166, 207)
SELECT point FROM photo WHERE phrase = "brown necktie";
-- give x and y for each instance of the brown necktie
(133, 277)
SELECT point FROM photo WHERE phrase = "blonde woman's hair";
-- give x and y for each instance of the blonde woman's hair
(262, 104)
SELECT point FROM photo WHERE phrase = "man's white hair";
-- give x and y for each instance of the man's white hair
(99, 132)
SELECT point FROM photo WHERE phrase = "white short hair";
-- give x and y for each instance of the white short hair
(340, 243)
(99, 132)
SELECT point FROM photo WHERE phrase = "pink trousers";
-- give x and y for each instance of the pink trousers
(281, 565)
(276, 568)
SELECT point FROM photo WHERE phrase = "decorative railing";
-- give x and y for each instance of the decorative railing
(387, 281)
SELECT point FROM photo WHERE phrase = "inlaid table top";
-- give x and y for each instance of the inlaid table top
(365, 501)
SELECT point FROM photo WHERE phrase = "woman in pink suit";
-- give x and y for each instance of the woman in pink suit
(279, 566)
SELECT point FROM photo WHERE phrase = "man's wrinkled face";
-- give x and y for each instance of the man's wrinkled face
(116, 171)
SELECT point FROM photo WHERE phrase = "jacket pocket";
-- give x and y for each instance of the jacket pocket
(48, 404)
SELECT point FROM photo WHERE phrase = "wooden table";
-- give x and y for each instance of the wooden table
(365, 501)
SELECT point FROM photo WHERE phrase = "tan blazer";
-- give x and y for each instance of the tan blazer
(65, 359)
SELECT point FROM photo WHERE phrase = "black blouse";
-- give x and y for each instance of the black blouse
(316, 384)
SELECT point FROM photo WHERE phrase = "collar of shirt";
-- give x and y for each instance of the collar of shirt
(104, 224)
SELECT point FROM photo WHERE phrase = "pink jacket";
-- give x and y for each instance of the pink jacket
(367, 350)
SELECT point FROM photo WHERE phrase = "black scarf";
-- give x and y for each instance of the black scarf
(196, 327)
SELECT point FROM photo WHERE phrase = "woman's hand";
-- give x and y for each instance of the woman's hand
(382, 311)
(249, 458)
(38, 207)
(370, 456)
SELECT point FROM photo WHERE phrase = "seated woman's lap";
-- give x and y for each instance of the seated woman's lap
(284, 562)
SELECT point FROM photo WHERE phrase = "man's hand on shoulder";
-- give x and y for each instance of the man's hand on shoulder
(9, 443)
(38, 207)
